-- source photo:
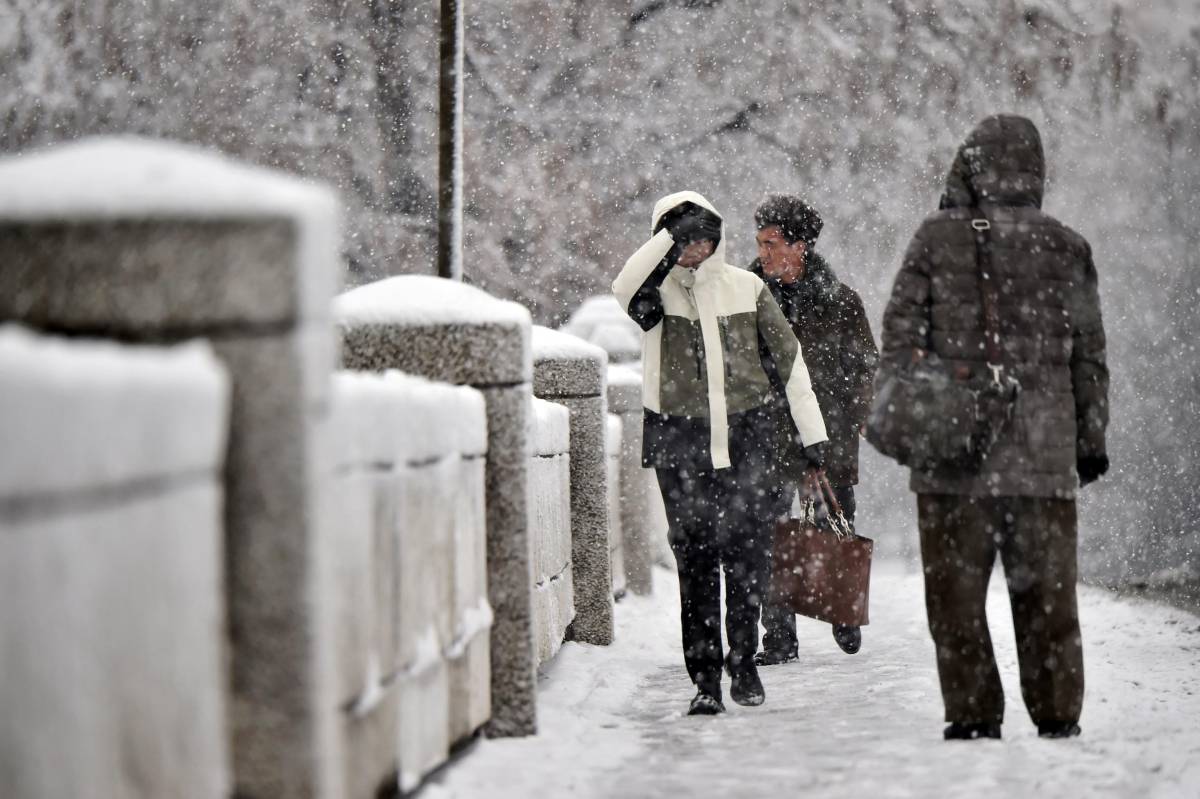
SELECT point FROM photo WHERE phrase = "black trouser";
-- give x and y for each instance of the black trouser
(719, 518)
(1036, 540)
(780, 622)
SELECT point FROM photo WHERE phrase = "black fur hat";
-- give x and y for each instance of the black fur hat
(796, 219)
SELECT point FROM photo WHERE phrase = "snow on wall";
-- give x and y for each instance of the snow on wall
(408, 574)
(111, 569)
(550, 486)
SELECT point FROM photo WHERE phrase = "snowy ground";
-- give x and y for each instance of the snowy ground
(612, 721)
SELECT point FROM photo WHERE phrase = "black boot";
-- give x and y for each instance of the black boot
(775, 657)
(745, 687)
(705, 705)
(707, 701)
(1058, 729)
(970, 732)
(847, 637)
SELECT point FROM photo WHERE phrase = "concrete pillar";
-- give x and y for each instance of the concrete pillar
(112, 607)
(445, 330)
(147, 241)
(571, 372)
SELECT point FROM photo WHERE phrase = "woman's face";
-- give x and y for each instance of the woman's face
(695, 253)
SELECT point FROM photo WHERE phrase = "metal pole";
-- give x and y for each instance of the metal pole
(450, 112)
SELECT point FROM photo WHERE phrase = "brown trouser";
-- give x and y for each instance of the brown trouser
(1036, 539)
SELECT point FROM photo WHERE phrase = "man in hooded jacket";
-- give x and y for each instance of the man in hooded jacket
(831, 325)
(707, 428)
(1021, 504)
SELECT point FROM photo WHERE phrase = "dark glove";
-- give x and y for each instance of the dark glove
(689, 223)
(815, 455)
(1090, 468)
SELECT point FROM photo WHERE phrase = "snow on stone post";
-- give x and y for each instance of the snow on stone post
(112, 611)
(148, 241)
(616, 539)
(553, 582)
(571, 372)
(448, 331)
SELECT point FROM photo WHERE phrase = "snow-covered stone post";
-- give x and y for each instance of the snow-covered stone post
(147, 241)
(408, 577)
(571, 372)
(445, 330)
(112, 608)
(616, 539)
(550, 522)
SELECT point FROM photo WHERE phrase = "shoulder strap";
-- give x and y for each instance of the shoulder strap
(989, 297)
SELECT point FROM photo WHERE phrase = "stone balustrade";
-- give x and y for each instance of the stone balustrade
(229, 570)
(112, 606)
(407, 574)
(571, 372)
(451, 332)
(616, 538)
(552, 584)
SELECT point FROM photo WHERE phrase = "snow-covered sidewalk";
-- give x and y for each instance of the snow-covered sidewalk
(613, 725)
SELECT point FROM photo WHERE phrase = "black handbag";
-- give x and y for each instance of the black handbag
(929, 419)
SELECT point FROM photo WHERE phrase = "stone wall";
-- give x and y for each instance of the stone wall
(616, 540)
(112, 606)
(407, 574)
(552, 584)
(149, 242)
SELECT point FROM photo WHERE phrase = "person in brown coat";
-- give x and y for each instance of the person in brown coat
(1021, 503)
(828, 319)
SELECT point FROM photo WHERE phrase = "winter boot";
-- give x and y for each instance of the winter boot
(705, 705)
(774, 657)
(970, 732)
(1058, 729)
(745, 687)
(847, 637)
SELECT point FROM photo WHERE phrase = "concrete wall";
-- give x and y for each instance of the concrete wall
(448, 331)
(553, 583)
(147, 241)
(112, 607)
(571, 372)
(407, 584)
(643, 517)
(616, 540)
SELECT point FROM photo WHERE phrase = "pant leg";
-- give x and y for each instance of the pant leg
(750, 505)
(958, 547)
(691, 514)
(845, 498)
(1040, 565)
(779, 622)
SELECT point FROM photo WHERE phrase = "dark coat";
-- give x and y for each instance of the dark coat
(827, 317)
(1051, 332)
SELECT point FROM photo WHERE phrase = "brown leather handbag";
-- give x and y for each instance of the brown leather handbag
(822, 569)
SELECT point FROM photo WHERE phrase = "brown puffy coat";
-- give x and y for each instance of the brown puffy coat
(1051, 332)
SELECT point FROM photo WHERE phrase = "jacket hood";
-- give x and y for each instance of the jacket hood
(678, 198)
(1000, 163)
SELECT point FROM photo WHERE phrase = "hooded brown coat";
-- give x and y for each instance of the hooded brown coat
(1051, 333)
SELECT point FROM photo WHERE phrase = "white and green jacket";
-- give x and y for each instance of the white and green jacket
(707, 333)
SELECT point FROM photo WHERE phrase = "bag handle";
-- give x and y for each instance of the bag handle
(988, 294)
(837, 518)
